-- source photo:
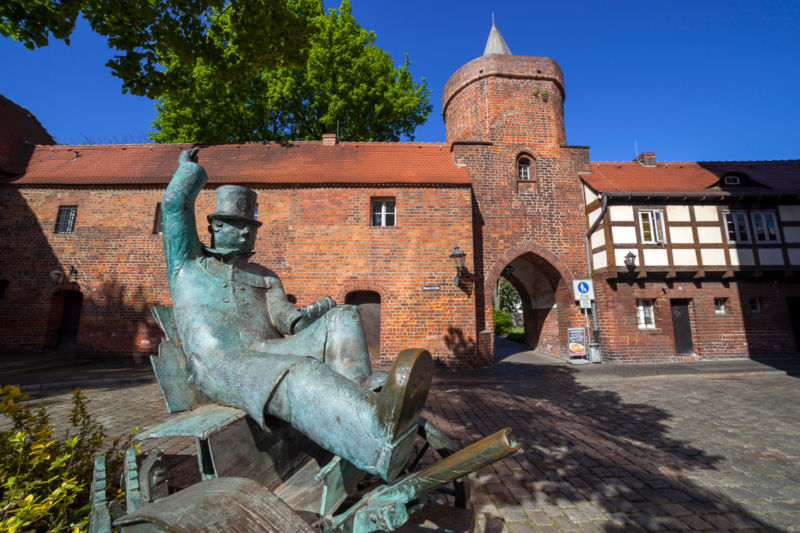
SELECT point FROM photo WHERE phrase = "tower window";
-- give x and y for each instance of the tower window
(524, 169)
(3, 288)
(65, 220)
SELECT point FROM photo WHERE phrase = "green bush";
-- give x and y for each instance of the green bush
(502, 322)
(45, 481)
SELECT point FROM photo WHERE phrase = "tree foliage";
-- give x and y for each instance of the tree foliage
(347, 85)
(509, 300)
(257, 33)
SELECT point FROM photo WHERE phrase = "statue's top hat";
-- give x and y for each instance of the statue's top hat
(236, 204)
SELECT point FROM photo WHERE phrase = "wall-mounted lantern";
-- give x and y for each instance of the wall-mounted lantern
(630, 261)
(459, 258)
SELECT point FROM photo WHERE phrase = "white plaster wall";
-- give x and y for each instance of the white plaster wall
(623, 234)
(678, 213)
(620, 253)
(708, 235)
(599, 260)
(589, 195)
(681, 235)
(791, 233)
(593, 216)
(706, 213)
(794, 256)
(655, 258)
(621, 213)
(742, 257)
(790, 212)
(712, 256)
(770, 256)
(685, 257)
(598, 238)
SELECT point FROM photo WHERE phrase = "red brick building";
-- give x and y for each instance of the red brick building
(374, 224)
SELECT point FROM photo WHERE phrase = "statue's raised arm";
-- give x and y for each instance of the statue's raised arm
(179, 228)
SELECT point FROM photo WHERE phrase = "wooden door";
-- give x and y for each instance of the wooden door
(682, 327)
(70, 318)
(369, 306)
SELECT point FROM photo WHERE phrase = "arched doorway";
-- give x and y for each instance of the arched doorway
(70, 319)
(369, 306)
(547, 308)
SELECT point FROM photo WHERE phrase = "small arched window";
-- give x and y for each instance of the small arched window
(524, 168)
(732, 179)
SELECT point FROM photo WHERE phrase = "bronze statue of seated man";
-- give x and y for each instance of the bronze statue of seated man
(232, 318)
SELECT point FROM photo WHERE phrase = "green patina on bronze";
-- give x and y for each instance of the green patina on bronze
(234, 346)
(232, 317)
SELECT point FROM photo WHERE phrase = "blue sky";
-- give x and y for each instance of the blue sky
(689, 81)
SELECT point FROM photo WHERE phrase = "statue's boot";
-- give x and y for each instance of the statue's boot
(375, 432)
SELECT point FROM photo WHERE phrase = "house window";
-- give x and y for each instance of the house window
(755, 305)
(157, 220)
(644, 313)
(65, 220)
(651, 224)
(524, 169)
(719, 305)
(736, 223)
(383, 212)
(765, 227)
(731, 180)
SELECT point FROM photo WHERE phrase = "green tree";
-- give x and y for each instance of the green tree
(258, 32)
(347, 85)
(509, 300)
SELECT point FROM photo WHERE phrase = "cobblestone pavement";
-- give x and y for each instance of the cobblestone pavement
(599, 453)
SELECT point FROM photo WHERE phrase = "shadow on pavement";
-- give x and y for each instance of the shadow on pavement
(584, 449)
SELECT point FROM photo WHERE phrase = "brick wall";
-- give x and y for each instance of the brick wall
(319, 240)
(738, 332)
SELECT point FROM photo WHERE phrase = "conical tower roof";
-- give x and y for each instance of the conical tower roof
(496, 44)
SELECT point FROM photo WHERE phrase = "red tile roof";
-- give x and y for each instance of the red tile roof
(278, 163)
(692, 177)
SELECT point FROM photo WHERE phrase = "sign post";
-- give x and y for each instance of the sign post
(583, 290)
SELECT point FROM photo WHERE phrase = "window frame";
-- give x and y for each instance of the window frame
(746, 226)
(754, 305)
(719, 305)
(64, 222)
(645, 307)
(764, 213)
(731, 179)
(383, 201)
(660, 236)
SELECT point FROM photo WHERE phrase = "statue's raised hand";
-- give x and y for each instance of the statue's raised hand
(188, 156)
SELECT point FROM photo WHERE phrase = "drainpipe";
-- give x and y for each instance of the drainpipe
(596, 333)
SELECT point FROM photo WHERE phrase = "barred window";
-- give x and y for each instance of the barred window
(644, 313)
(719, 305)
(65, 220)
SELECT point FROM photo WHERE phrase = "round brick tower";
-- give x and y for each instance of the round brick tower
(505, 98)
(504, 115)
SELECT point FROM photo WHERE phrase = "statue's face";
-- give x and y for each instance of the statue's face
(233, 236)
